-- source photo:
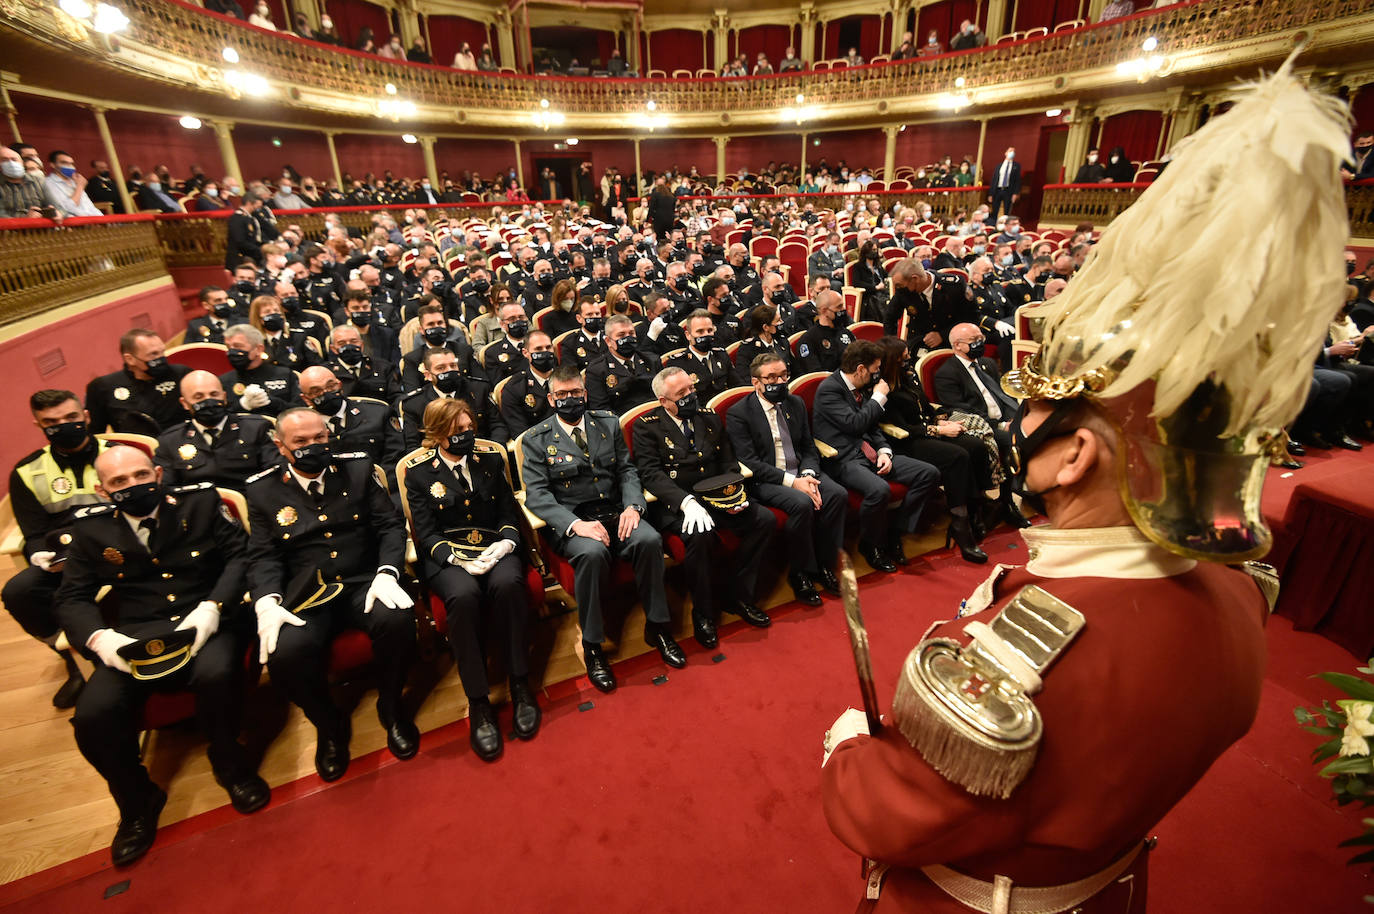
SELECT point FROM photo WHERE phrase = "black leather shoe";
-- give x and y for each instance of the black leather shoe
(403, 738)
(136, 833)
(829, 583)
(1296, 449)
(667, 647)
(527, 714)
(961, 534)
(1012, 514)
(1350, 444)
(598, 668)
(248, 794)
(331, 753)
(875, 558)
(753, 615)
(704, 630)
(66, 696)
(895, 550)
(804, 590)
(1288, 463)
(483, 733)
(1317, 441)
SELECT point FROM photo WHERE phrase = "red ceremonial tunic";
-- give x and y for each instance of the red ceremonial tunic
(1164, 676)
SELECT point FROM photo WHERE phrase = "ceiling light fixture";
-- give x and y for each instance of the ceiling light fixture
(409, 138)
(1054, 112)
(230, 55)
(190, 123)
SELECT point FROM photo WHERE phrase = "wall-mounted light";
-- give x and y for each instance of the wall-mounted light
(409, 138)
(1054, 112)
(390, 88)
(190, 123)
(651, 105)
(1149, 44)
(102, 17)
(242, 83)
(230, 55)
(395, 109)
(276, 142)
(572, 141)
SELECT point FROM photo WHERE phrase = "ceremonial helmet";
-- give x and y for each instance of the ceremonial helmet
(1194, 322)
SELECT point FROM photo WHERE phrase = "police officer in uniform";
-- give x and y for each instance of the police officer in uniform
(994, 311)
(443, 379)
(682, 291)
(622, 376)
(580, 481)
(213, 446)
(141, 397)
(536, 289)
(678, 445)
(258, 386)
(504, 356)
(747, 282)
(283, 345)
(175, 561)
(474, 301)
(524, 399)
(934, 303)
(588, 342)
(467, 527)
(710, 367)
(435, 332)
(323, 289)
(46, 489)
(720, 305)
(220, 312)
(822, 346)
(360, 374)
(765, 325)
(354, 425)
(326, 552)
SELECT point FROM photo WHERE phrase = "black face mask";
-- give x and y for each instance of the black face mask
(210, 412)
(441, 288)
(516, 330)
(1349, 268)
(245, 286)
(570, 409)
(291, 305)
(138, 500)
(66, 436)
(593, 325)
(301, 283)
(360, 318)
(273, 323)
(435, 336)
(158, 368)
(775, 392)
(704, 343)
(688, 405)
(448, 381)
(1024, 446)
(975, 350)
(328, 403)
(224, 310)
(351, 355)
(239, 358)
(313, 458)
(461, 444)
(545, 280)
(626, 345)
(480, 286)
(544, 361)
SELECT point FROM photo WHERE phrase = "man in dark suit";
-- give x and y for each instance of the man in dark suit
(934, 303)
(1006, 185)
(175, 561)
(220, 312)
(213, 446)
(326, 552)
(846, 415)
(580, 481)
(622, 376)
(244, 232)
(443, 379)
(823, 344)
(707, 362)
(354, 425)
(771, 435)
(678, 445)
(524, 398)
(972, 384)
(142, 396)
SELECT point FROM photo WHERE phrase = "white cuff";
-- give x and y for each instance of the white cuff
(788, 479)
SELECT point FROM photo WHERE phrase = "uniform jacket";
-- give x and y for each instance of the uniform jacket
(524, 401)
(112, 398)
(668, 466)
(370, 428)
(501, 358)
(47, 488)
(717, 375)
(243, 446)
(821, 348)
(373, 377)
(558, 476)
(476, 393)
(279, 383)
(617, 386)
(946, 306)
(438, 503)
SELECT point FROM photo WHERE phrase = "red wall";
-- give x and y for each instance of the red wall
(447, 34)
(1023, 132)
(361, 154)
(1363, 109)
(662, 154)
(754, 152)
(675, 49)
(1048, 13)
(89, 344)
(924, 144)
(857, 147)
(770, 39)
(601, 153)
(486, 157)
(305, 150)
(1137, 132)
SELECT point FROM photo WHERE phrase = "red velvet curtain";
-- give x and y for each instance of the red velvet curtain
(447, 34)
(675, 49)
(770, 39)
(1137, 132)
(944, 18)
(869, 26)
(351, 15)
(1048, 13)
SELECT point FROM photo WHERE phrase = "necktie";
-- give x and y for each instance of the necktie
(789, 453)
(581, 440)
(316, 489)
(461, 472)
(335, 425)
(210, 436)
(145, 530)
(689, 433)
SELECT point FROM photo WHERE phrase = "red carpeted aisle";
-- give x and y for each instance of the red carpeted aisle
(702, 794)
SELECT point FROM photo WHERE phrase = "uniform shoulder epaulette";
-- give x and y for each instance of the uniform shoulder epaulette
(190, 487)
(353, 455)
(651, 416)
(261, 474)
(93, 511)
(410, 393)
(27, 458)
(414, 460)
(602, 414)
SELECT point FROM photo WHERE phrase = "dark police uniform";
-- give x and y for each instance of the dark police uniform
(728, 327)
(670, 463)
(754, 347)
(501, 358)
(941, 307)
(748, 284)
(412, 363)
(580, 349)
(115, 399)
(210, 329)
(195, 552)
(224, 456)
(323, 291)
(617, 385)
(289, 350)
(443, 503)
(279, 383)
(476, 392)
(372, 377)
(370, 428)
(712, 375)
(345, 535)
(298, 321)
(46, 489)
(524, 401)
(992, 306)
(821, 348)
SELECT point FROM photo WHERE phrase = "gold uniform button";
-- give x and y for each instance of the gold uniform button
(155, 560)
(338, 577)
(171, 598)
(328, 535)
(324, 517)
(333, 555)
(166, 575)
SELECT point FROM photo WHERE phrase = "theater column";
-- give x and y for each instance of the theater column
(720, 158)
(639, 172)
(899, 14)
(1077, 142)
(801, 173)
(10, 112)
(520, 167)
(982, 140)
(113, 157)
(505, 40)
(334, 159)
(997, 20)
(224, 135)
(890, 153)
(807, 14)
(431, 168)
(721, 27)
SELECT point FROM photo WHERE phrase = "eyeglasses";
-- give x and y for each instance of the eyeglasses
(779, 378)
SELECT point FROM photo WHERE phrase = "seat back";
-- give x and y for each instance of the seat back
(853, 300)
(867, 330)
(721, 402)
(541, 317)
(805, 386)
(762, 245)
(235, 504)
(561, 339)
(928, 364)
(145, 443)
(211, 357)
(1021, 350)
(627, 421)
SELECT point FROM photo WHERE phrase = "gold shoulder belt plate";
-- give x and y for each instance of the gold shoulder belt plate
(968, 710)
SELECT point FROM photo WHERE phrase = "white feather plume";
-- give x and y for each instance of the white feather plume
(1228, 267)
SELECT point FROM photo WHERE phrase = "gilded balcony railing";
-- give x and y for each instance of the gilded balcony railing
(1359, 198)
(1070, 204)
(43, 267)
(190, 33)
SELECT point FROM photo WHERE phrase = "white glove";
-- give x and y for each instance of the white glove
(848, 725)
(695, 518)
(474, 568)
(106, 643)
(497, 551)
(389, 592)
(271, 617)
(657, 326)
(1005, 329)
(205, 620)
(43, 559)
(254, 397)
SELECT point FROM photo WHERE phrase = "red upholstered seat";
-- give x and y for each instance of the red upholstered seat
(209, 357)
(927, 365)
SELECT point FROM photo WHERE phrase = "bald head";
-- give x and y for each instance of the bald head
(962, 333)
(1054, 287)
(119, 467)
(297, 428)
(316, 381)
(200, 385)
(829, 304)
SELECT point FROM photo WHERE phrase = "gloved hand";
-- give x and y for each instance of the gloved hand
(43, 560)
(205, 620)
(271, 617)
(254, 397)
(474, 568)
(106, 643)
(1005, 329)
(695, 518)
(657, 326)
(389, 592)
(496, 551)
(848, 725)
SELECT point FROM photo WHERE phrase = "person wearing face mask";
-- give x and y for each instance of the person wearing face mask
(1361, 163)
(220, 313)
(1092, 171)
(1006, 184)
(262, 18)
(524, 398)
(504, 356)
(256, 384)
(475, 296)
(766, 337)
(285, 346)
(443, 380)
(746, 288)
(680, 450)
(154, 195)
(46, 488)
(827, 261)
(722, 304)
(355, 425)
(244, 233)
(1119, 168)
(379, 341)
(563, 316)
(326, 553)
(536, 289)
(66, 187)
(823, 345)
(971, 383)
(246, 286)
(467, 529)
(285, 197)
(580, 481)
(589, 341)
(209, 199)
(101, 187)
(704, 360)
(360, 374)
(994, 312)
(621, 375)
(174, 561)
(934, 303)
(216, 445)
(141, 397)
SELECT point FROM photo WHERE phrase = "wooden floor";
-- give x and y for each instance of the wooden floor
(54, 807)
